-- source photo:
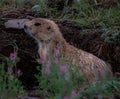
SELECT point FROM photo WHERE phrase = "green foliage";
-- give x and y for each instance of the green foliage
(111, 35)
(97, 16)
(1, 3)
(10, 86)
(104, 89)
(20, 3)
(40, 6)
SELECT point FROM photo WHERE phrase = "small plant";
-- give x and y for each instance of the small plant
(20, 3)
(1, 3)
(111, 35)
(40, 7)
(88, 15)
(58, 81)
(10, 86)
(106, 89)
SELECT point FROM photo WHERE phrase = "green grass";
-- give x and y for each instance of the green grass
(108, 88)
(10, 86)
(100, 16)
(111, 35)
(1, 3)
(20, 3)
(86, 14)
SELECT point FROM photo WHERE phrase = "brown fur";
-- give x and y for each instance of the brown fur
(49, 38)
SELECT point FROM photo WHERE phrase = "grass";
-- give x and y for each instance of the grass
(10, 86)
(111, 35)
(1, 3)
(101, 16)
(106, 89)
(86, 14)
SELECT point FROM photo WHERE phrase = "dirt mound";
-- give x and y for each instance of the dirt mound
(27, 47)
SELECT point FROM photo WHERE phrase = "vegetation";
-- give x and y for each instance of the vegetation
(86, 13)
(10, 86)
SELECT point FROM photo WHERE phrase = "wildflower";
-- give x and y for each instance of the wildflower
(57, 52)
(104, 71)
(47, 70)
(63, 68)
(56, 60)
(96, 74)
(18, 72)
(12, 56)
(73, 94)
(65, 97)
(47, 67)
(10, 72)
(48, 63)
(42, 60)
(81, 64)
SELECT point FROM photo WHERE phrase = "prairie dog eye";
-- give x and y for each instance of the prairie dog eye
(37, 24)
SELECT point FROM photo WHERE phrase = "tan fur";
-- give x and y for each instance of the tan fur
(49, 38)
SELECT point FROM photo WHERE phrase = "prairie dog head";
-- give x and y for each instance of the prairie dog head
(42, 29)
(46, 33)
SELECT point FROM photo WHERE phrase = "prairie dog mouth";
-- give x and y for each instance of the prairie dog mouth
(28, 30)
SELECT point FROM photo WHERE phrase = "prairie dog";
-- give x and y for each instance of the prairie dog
(49, 37)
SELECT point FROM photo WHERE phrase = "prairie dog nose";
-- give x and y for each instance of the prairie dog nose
(25, 27)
